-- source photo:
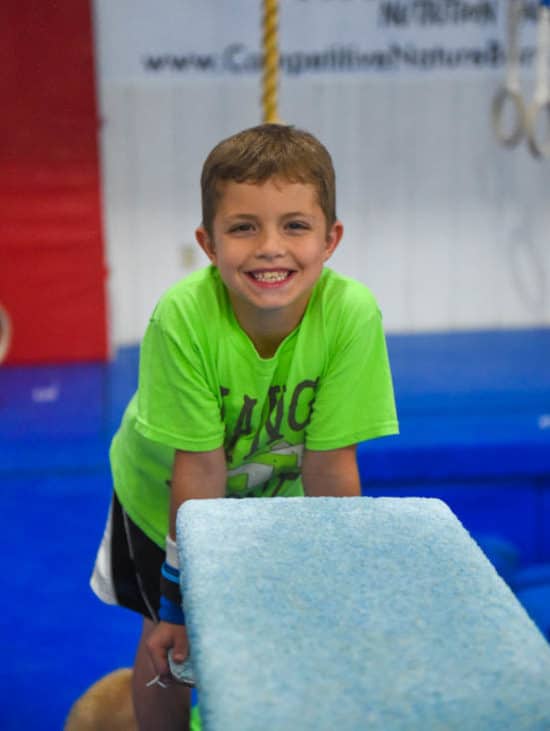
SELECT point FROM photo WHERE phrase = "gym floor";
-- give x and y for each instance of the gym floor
(56, 423)
(56, 637)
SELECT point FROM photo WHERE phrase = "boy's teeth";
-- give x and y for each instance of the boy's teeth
(270, 276)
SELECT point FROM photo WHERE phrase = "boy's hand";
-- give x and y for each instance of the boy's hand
(164, 637)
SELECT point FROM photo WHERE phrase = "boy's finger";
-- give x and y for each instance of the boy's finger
(159, 657)
(180, 646)
(179, 651)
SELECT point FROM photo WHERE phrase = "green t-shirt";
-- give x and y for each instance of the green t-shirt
(202, 385)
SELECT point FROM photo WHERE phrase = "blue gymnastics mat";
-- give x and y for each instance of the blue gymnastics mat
(474, 432)
(474, 412)
(471, 406)
(327, 613)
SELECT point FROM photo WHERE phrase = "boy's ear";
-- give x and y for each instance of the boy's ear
(334, 237)
(206, 244)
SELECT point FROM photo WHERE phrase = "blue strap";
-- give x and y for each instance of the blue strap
(170, 597)
(170, 573)
(171, 612)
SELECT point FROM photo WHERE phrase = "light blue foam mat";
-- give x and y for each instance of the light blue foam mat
(347, 614)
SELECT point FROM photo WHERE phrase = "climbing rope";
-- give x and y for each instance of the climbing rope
(270, 75)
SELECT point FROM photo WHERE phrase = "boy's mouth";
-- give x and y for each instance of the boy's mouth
(270, 276)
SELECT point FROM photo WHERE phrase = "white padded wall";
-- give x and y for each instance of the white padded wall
(448, 229)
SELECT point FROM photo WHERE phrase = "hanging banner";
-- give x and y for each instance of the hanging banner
(201, 38)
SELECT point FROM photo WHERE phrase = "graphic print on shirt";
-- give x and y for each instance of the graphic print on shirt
(272, 459)
(267, 473)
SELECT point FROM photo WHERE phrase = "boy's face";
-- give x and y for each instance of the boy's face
(269, 242)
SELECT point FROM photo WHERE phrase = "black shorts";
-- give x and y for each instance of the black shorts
(128, 564)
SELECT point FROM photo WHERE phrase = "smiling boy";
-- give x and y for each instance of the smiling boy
(269, 241)
(258, 377)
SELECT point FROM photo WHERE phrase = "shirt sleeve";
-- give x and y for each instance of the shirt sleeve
(354, 399)
(175, 404)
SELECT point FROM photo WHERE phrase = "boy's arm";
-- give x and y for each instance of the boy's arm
(195, 475)
(331, 473)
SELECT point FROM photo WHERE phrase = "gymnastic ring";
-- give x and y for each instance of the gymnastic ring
(5, 333)
(500, 99)
(538, 149)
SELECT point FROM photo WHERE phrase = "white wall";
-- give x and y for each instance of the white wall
(450, 230)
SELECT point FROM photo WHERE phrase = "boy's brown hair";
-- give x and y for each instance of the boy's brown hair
(268, 150)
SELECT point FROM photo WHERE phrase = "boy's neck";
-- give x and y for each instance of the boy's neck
(266, 347)
(267, 330)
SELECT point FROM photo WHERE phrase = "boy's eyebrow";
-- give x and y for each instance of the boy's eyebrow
(231, 216)
(298, 213)
(254, 217)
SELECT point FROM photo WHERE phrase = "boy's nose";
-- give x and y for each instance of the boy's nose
(271, 244)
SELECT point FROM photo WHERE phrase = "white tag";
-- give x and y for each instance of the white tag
(172, 553)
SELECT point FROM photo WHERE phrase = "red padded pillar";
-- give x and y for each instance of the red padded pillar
(52, 266)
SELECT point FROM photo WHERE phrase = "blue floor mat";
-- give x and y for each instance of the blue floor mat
(473, 407)
(56, 638)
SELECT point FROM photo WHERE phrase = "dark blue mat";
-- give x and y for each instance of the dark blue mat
(474, 411)
(470, 404)
(62, 418)
(56, 637)
(475, 421)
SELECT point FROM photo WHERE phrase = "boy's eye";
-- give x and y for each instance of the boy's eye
(297, 225)
(240, 228)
